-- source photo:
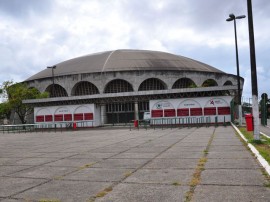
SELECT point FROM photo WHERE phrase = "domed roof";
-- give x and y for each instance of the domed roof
(125, 60)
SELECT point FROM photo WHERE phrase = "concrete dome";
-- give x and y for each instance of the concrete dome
(125, 60)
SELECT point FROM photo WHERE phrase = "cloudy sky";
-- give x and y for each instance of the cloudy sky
(35, 34)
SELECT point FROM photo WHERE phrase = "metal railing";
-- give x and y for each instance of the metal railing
(163, 123)
(46, 127)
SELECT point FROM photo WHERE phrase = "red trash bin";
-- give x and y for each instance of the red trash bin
(74, 125)
(136, 123)
(249, 122)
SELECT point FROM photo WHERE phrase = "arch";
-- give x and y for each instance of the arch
(118, 86)
(228, 83)
(43, 111)
(43, 115)
(184, 83)
(189, 107)
(62, 114)
(209, 83)
(84, 88)
(56, 91)
(83, 113)
(62, 110)
(82, 109)
(152, 84)
(191, 103)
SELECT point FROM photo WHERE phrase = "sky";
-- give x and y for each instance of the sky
(35, 34)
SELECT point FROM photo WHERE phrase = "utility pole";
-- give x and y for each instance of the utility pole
(233, 18)
(255, 108)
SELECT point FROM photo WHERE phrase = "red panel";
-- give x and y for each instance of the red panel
(224, 110)
(169, 112)
(157, 113)
(40, 118)
(195, 111)
(67, 117)
(48, 118)
(210, 111)
(88, 116)
(58, 117)
(183, 112)
(78, 117)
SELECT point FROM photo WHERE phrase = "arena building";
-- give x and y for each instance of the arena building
(119, 86)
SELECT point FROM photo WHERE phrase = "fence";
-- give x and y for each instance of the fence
(179, 122)
(144, 124)
(46, 127)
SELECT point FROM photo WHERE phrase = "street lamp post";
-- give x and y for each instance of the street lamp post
(53, 90)
(233, 18)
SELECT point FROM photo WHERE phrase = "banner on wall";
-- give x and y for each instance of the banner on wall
(191, 107)
(163, 109)
(64, 113)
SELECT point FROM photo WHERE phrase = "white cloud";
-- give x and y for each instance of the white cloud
(46, 32)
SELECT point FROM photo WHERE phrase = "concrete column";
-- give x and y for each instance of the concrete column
(136, 111)
(103, 115)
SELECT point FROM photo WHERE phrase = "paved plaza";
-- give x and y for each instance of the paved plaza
(187, 164)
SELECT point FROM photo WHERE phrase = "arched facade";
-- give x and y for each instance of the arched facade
(55, 90)
(228, 83)
(209, 83)
(184, 83)
(84, 88)
(152, 84)
(118, 86)
(120, 83)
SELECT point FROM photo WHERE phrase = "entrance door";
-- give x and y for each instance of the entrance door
(120, 113)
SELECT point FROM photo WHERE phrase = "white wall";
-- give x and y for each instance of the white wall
(69, 109)
(189, 103)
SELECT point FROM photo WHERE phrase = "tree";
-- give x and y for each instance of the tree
(3, 89)
(5, 110)
(16, 93)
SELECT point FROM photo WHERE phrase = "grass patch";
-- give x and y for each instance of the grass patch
(262, 145)
(127, 174)
(86, 166)
(196, 177)
(108, 189)
(194, 182)
(267, 185)
(101, 194)
(104, 192)
(58, 177)
(176, 183)
(49, 200)
(202, 161)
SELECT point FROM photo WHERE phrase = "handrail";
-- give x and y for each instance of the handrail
(170, 122)
(56, 126)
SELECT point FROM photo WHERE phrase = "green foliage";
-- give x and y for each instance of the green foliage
(5, 110)
(255, 141)
(192, 85)
(4, 87)
(16, 93)
(209, 82)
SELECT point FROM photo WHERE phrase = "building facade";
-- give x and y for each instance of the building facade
(118, 86)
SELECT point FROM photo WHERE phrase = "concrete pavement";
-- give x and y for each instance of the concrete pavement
(188, 164)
